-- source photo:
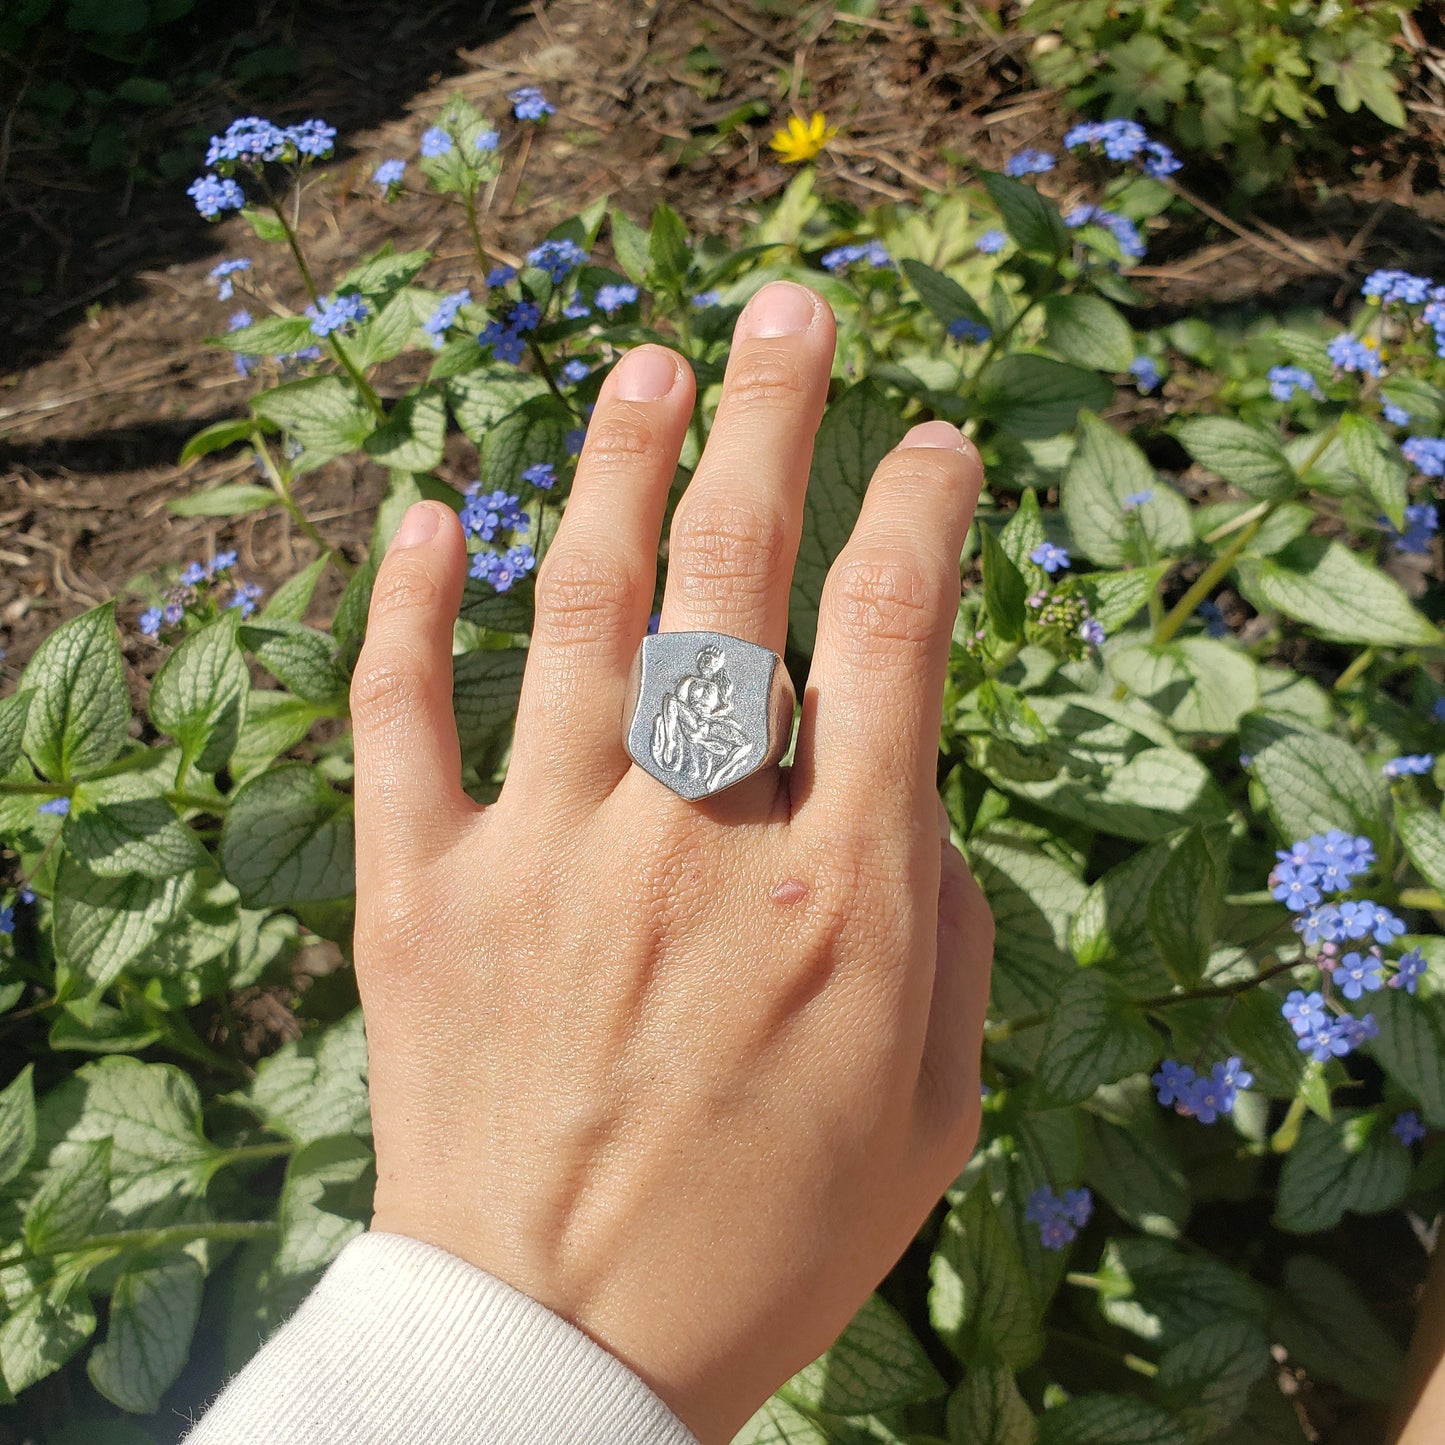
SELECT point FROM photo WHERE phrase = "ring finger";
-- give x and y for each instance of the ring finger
(735, 532)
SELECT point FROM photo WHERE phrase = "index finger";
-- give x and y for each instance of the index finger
(874, 699)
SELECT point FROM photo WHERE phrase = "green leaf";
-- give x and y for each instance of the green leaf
(1110, 1420)
(535, 433)
(1035, 397)
(1110, 927)
(1132, 1162)
(1115, 597)
(778, 1423)
(275, 722)
(1094, 1036)
(1200, 685)
(266, 226)
(1184, 906)
(942, 295)
(382, 274)
(1031, 219)
(875, 1364)
(1328, 1328)
(1256, 1031)
(325, 1202)
(80, 711)
(1246, 455)
(215, 438)
(325, 414)
(103, 924)
(411, 438)
(64, 1211)
(857, 430)
(1312, 781)
(199, 695)
(287, 839)
(1008, 714)
(1351, 1163)
(1023, 531)
(1411, 1046)
(300, 657)
(17, 1123)
(1377, 462)
(153, 1314)
(980, 1299)
(482, 398)
(139, 835)
(1214, 1369)
(1339, 594)
(1103, 470)
(1088, 331)
(13, 712)
(1032, 897)
(290, 601)
(1423, 834)
(485, 689)
(1004, 589)
(273, 336)
(315, 1087)
(1157, 1292)
(229, 501)
(630, 246)
(44, 1332)
(987, 1409)
(151, 1114)
(668, 254)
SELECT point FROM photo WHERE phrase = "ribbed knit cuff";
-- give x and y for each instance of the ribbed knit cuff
(402, 1343)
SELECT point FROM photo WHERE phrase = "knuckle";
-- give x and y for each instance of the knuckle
(387, 686)
(620, 438)
(403, 587)
(583, 596)
(886, 597)
(767, 375)
(722, 548)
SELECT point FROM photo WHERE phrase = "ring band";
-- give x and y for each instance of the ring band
(706, 710)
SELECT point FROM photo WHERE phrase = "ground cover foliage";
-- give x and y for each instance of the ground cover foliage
(1211, 836)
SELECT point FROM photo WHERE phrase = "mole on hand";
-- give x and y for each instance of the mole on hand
(790, 890)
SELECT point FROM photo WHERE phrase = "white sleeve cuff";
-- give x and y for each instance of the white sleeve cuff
(402, 1343)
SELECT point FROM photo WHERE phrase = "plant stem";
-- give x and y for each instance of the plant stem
(1208, 580)
(337, 350)
(545, 372)
(228, 1232)
(282, 488)
(253, 1153)
(198, 800)
(8, 786)
(1353, 672)
(1427, 898)
(1217, 990)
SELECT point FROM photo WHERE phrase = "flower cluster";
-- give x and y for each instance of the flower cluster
(1422, 521)
(557, 258)
(1061, 1217)
(335, 313)
(388, 175)
(441, 320)
(505, 335)
(55, 807)
(528, 103)
(964, 328)
(614, 296)
(221, 274)
(1145, 372)
(1401, 286)
(1124, 141)
(1028, 163)
(1407, 1128)
(195, 580)
(483, 515)
(253, 141)
(1349, 353)
(502, 569)
(1419, 765)
(1201, 1096)
(1121, 228)
(7, 920)
(1284, 381)
(1319, 1035)
(992, 242)
(1050, 557)
(1425, 454)
(840, 258)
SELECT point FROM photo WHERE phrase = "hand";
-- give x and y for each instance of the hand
(690, 1075)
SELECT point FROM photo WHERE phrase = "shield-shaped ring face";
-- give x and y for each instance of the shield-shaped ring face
(706, 710)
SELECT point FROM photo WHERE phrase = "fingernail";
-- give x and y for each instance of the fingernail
(417, 526)
(779, 309)
(647, 374)
(935, 434)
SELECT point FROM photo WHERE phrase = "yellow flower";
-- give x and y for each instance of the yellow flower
(803, 140)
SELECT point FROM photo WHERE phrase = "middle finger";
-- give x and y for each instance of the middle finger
(735, 532)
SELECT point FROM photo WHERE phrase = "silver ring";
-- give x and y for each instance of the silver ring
(706, 710)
